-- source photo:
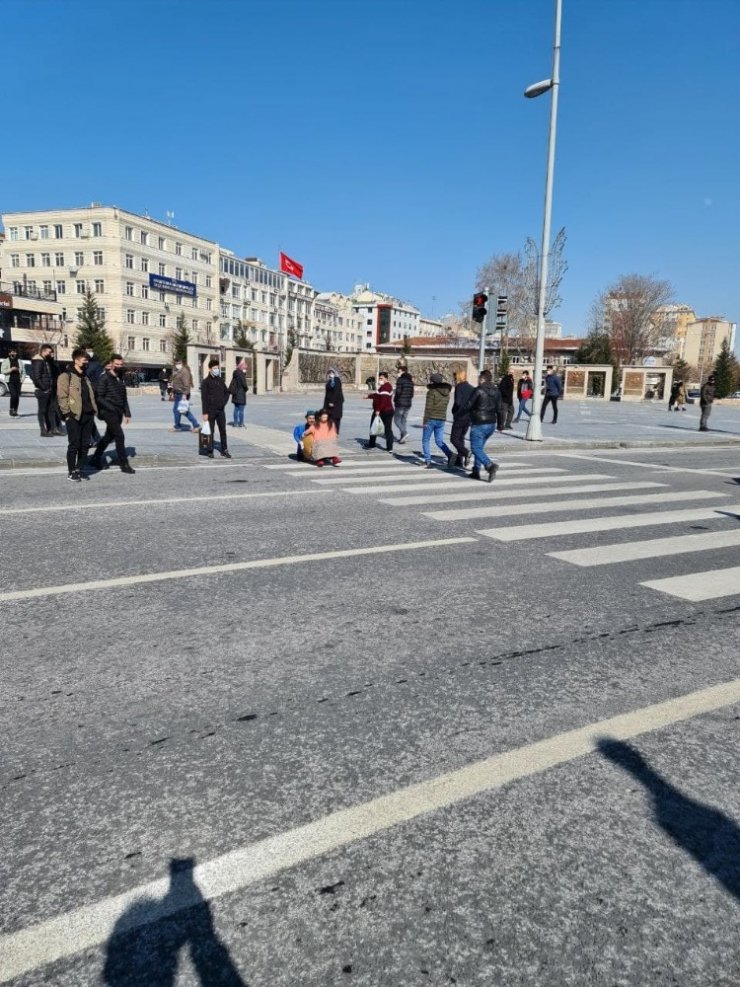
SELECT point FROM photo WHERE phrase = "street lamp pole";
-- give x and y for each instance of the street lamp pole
(534, 429)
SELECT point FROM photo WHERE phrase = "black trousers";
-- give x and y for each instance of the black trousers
(459, 430)
(218, 418)
(387, 418)
(113, 433)
(550, 399)
(79, 439)
(14, 386)
(505, 416)
(47, 410)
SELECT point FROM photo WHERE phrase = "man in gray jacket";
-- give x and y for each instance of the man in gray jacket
(706, 400)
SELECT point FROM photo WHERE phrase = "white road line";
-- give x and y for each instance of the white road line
(442, 482)
(699, 586)
(212, 570)
(62, 472)
(364, 464)
(92, 925)
(414, 473)
(594, 504)
(653, 548)
(495, 493)
(554, 529)
(644, 465)
(150, 502)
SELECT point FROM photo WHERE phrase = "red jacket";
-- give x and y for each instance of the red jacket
(383, 399)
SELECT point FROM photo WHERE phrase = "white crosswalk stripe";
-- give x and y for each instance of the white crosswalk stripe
(502, 490)
(331, 476)
(556, 529)
(652, 548)
(369, 463)
(696, 587)
(595, 504)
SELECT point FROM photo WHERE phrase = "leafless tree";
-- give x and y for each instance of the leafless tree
(629, 310)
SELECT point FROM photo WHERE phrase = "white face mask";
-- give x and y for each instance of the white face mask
(216, 372)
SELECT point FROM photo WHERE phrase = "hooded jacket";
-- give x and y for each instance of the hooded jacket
(404, 390)
(438, 397)
(334, 398)
(238, 387)
(44, 373)
(484, 405)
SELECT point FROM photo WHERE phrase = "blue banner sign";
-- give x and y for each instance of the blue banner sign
(158, 282)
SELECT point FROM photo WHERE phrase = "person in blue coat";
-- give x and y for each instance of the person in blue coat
(553, 391)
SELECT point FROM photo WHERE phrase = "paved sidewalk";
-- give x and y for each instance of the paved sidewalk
(270, 420)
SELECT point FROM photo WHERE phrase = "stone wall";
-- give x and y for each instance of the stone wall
(307, 369)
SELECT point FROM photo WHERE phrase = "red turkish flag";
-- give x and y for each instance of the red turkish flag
(292, 267)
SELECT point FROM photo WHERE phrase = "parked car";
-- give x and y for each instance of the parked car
(27, 385)
(735, 395)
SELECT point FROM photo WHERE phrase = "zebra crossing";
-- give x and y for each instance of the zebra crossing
(524, 490)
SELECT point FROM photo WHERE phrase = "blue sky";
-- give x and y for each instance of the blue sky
(387, 140)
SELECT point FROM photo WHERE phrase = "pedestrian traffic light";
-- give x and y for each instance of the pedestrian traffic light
(479, 306)
(501, 311)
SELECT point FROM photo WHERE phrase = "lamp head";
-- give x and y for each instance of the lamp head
(538, 88)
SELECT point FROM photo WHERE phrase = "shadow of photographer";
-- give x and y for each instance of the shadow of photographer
(145, 945)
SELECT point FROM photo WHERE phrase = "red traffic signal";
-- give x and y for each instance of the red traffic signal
(479, 306)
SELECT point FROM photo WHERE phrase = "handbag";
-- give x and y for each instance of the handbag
(205, 428)
(377, 428)
(183, 406)
(526, 395)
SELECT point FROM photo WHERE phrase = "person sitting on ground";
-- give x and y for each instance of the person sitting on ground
(303, 435)
(325, 441)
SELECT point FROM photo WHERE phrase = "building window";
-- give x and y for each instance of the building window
(130, 317)
(29, 232)
(145, 319)
(98, 257)
(144, 264)
(195, 325)
(44, 232)
(13, 232)
(99, 287)
(79, 258)
(209, 281)
(46, 260)
(162, 243)
(130, 288)
(61, 287)
(97, 229)
(163, 322)
(178, 273)
(130, 261)
(178, 299)
(163, 346)
(144, 238)
(145, 343)
(131, 342)
(163, 269)
(101, 314)
(47, 286)
(59, 259)
(30, 260)
(194, 253)
(81, 287)
(178, 249)
(78, 229)
(209, 304)
(145, 291)
(129, 233)
(58, 231)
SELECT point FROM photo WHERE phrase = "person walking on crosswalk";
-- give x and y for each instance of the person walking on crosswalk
(382, 399)
(460, 422)
(553, 391)
(484, 407)
(524, 393)
(402, 400)
(435, 414)
(706, 400)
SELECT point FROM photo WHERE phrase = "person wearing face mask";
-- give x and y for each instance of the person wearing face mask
(13, 370)
(214, 396)
(77, 404)
(334, 397)
(113, 409)
(182, 385)
(44, 375)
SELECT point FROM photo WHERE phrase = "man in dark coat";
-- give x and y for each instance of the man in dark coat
(402, 400)
(214, 397)
(553, 392)
(334, 398)
(483, 407)
(706, 400)
(44, 374)
(164, 380)
(460, 422)
(113, 409)
(506, 390)
(238, 391)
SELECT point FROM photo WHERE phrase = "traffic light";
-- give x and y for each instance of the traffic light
(479, 306)
(501, 311)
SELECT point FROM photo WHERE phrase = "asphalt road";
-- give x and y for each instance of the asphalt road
(271, 725)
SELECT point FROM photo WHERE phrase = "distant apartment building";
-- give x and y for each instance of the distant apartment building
(703, 340)
(674, 321)
(336, 323)
(145, 275)
(385, 319)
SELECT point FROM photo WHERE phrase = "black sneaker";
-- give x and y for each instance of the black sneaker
(225, 454)
(474, 475)
(492, 470)
(75, 477)
(127, 468)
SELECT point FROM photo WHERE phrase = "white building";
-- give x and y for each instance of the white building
(336, 323)
(385, 319)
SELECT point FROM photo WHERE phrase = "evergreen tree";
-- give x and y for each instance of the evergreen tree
(241, 339)
(724, 371)
(91, 331)
(504, 364)
(681, 370)
(406, 346)
(596, 348)
(180, 340)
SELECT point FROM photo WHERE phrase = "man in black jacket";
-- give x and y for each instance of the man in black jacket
(506, 390)
(402, 400)
(460, 422)
(483, 407)
(44, 375)
(112, 401)
(214, 397)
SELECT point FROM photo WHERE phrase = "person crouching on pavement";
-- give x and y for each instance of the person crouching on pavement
(214, 397)
(303, 435)
(112, 401)
(484, 407)
(325, 449)
(77, 404)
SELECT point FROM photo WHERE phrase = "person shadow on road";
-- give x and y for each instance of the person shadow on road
(145, 945)
(711, 837)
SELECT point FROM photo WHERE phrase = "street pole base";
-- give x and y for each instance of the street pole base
(534, 430)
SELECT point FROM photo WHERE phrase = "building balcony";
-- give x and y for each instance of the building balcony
(23, 290)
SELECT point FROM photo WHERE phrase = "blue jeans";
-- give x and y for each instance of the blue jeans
(434, 427)
(479, 435)
(522, 410)
(239, 415)
(190, 416)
